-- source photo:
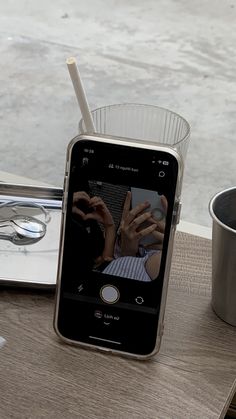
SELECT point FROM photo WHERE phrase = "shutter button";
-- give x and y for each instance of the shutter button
(109, 294)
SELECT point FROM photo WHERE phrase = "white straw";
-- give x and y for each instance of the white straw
(80, 94)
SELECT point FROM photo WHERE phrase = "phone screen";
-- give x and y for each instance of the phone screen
(117, 226)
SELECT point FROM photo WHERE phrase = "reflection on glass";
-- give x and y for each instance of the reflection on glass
(125, 231)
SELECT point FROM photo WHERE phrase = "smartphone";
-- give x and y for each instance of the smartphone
(156, 207)
(111, 289)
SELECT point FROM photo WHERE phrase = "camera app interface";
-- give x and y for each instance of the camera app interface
(118, 219)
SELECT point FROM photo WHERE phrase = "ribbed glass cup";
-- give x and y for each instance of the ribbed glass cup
(142, 122)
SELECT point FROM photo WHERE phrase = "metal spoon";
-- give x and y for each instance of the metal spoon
(23, 229)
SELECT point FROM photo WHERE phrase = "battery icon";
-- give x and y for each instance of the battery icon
(166, 163)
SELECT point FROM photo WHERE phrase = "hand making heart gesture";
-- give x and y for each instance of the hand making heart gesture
(91, 208)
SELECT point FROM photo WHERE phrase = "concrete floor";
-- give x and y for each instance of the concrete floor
(176, 54)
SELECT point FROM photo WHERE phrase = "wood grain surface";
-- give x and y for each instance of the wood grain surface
(193, 376)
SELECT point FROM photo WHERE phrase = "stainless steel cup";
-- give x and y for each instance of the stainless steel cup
(222, 208)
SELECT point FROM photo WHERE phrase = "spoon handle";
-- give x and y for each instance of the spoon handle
(5, 223)
(6, 236)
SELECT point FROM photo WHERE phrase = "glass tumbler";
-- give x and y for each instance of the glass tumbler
(145, 123)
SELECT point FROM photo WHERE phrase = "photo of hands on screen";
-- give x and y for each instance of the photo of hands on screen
(127, 228)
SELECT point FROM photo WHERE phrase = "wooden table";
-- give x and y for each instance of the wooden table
(192, 377)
